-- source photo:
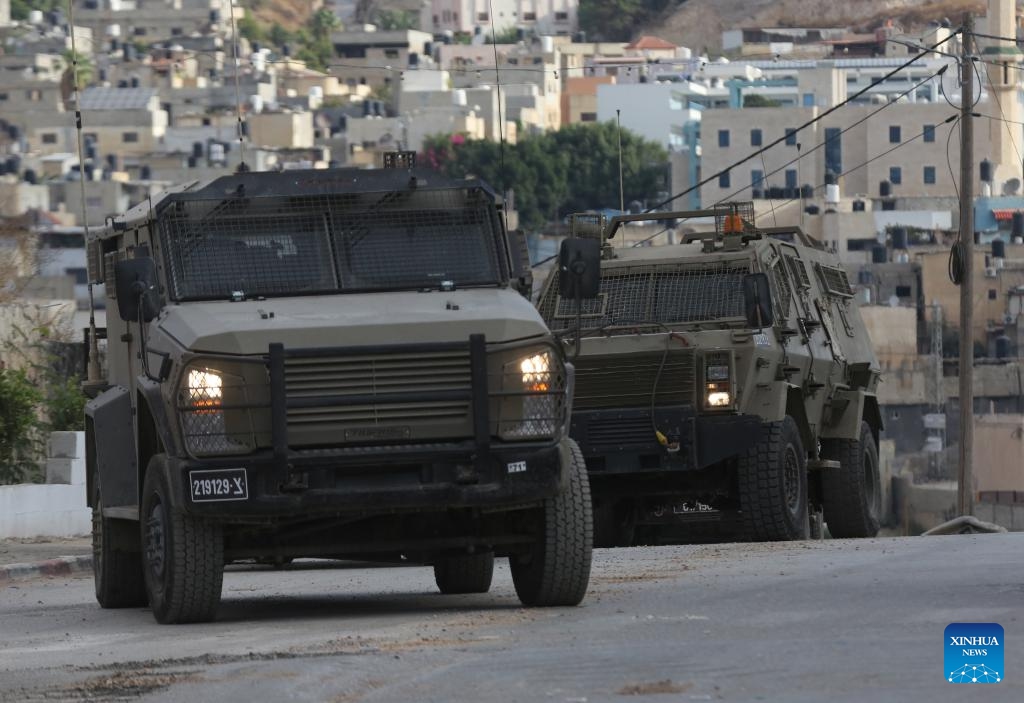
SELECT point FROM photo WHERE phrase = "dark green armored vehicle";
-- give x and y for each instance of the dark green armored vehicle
(724, 383)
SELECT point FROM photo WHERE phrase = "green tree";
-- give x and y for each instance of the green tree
(754, 100)
(83, 68)
(618, 20)
(250, 28)
(557, 173)
(279, 36)
(395, 20)
(20, 430)
(21, 8)
(321, 24)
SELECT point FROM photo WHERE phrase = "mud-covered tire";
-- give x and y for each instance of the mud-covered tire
(116, 558)
(852, 494)
(464, 573)
(183, 556)
(772, 483)
(556, 571)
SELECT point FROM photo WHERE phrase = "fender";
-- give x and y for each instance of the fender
(149, 392)
(111, 448)
(847, 409)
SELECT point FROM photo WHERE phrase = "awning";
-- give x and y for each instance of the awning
(1005, 214)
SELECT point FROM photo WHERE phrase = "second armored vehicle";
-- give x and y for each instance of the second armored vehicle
(728, 379)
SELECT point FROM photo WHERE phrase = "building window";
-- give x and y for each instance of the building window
(723, 180)
(895, 175)
(130, 137)
(808, 99)
(530, 16)
(176, 31)
(755, 137)
(3, 96)
(790, 136)
(756, 177)
(929, 175)
(391, 53)
(894, 134)
(833, 150)
(929, 133)
(49, 139)
(481, 16)
(902, 291)
(139, 31)
(992, 295)
(588, 117)
(561, 16)
(723, 138)
(791, 177)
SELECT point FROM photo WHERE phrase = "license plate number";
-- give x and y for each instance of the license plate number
(218, 485)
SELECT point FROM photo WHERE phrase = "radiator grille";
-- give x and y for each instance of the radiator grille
(624, 381)
(378, 421)
(612, 433)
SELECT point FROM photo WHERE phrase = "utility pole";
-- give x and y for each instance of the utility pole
(965, 478)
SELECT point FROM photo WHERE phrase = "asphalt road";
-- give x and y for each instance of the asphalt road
(811, 621)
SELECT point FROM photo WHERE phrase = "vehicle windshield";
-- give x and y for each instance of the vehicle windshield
(274, 246)
(655, 295)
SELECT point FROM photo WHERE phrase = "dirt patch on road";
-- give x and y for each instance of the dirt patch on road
(654, 688)
(125, 685)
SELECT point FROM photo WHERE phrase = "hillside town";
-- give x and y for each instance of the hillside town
(170, 92)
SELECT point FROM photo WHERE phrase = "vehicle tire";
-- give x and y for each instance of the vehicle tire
(464, 573)
(116, 558)
(556, 571)
(183, 556)
(772, 479)
(852, 493)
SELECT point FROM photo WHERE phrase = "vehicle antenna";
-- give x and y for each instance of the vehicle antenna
(93, 369)
(618, 126)
(501, 120)
(238, 92)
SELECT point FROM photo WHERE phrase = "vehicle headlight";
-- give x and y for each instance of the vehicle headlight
(719, 399)
(532, 402)
(224, 409)
(536, 371)
(205, 388)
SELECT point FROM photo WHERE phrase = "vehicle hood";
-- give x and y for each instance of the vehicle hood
(249, 327)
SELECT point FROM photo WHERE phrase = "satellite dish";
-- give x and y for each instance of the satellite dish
(1011, 186)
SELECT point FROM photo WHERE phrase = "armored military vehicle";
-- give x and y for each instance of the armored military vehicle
(728, 378)
(331, 363)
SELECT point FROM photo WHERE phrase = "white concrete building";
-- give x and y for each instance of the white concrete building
(557, 17)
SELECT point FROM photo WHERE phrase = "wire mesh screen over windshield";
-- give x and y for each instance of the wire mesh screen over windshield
(330, 243)
(657, 295)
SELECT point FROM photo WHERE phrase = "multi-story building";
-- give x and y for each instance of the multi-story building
(550, 17)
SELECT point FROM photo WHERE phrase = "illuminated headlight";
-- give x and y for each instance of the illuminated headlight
(205, 388)
(536, 372)
(534, 406)
(718, 372)
(719, 399)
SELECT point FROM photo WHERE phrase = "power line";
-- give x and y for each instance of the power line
(820, 117)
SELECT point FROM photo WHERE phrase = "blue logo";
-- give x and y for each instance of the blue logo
(974, 652)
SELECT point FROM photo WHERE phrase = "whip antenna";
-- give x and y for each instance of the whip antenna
(501, 120)
(238, 92)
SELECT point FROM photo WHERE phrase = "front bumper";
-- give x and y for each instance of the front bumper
(393, 479)
(623, 440)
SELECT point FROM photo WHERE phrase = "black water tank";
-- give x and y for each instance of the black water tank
(343, 122)
(90, 151)
(112, 161)
(1018, 224)
(830, 178)
(122, 84)
(858, 206)
(367, 108)
(775, 193)
(128, 50)
(885, 189)
(255, 46)
(192, 161)
(879, 254)
(986, 171)
(197, 149)
(899, 238)
(103, 75)
(30, 176)
(888, 204)
(998, 248)
(135, 82)
(286, 49)
(1002, 347)
(757, 193)
(812, 209)
(414, 59)
(806, 191)
(146, 172)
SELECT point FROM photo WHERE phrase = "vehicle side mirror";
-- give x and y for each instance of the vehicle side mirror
(135, 281)
(757, 299)
(579, 267)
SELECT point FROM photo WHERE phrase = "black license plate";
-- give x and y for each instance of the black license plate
(218, 485)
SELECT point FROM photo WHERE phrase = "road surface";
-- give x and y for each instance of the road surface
(809, 621)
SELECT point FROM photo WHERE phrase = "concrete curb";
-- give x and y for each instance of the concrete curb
(61, 566)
